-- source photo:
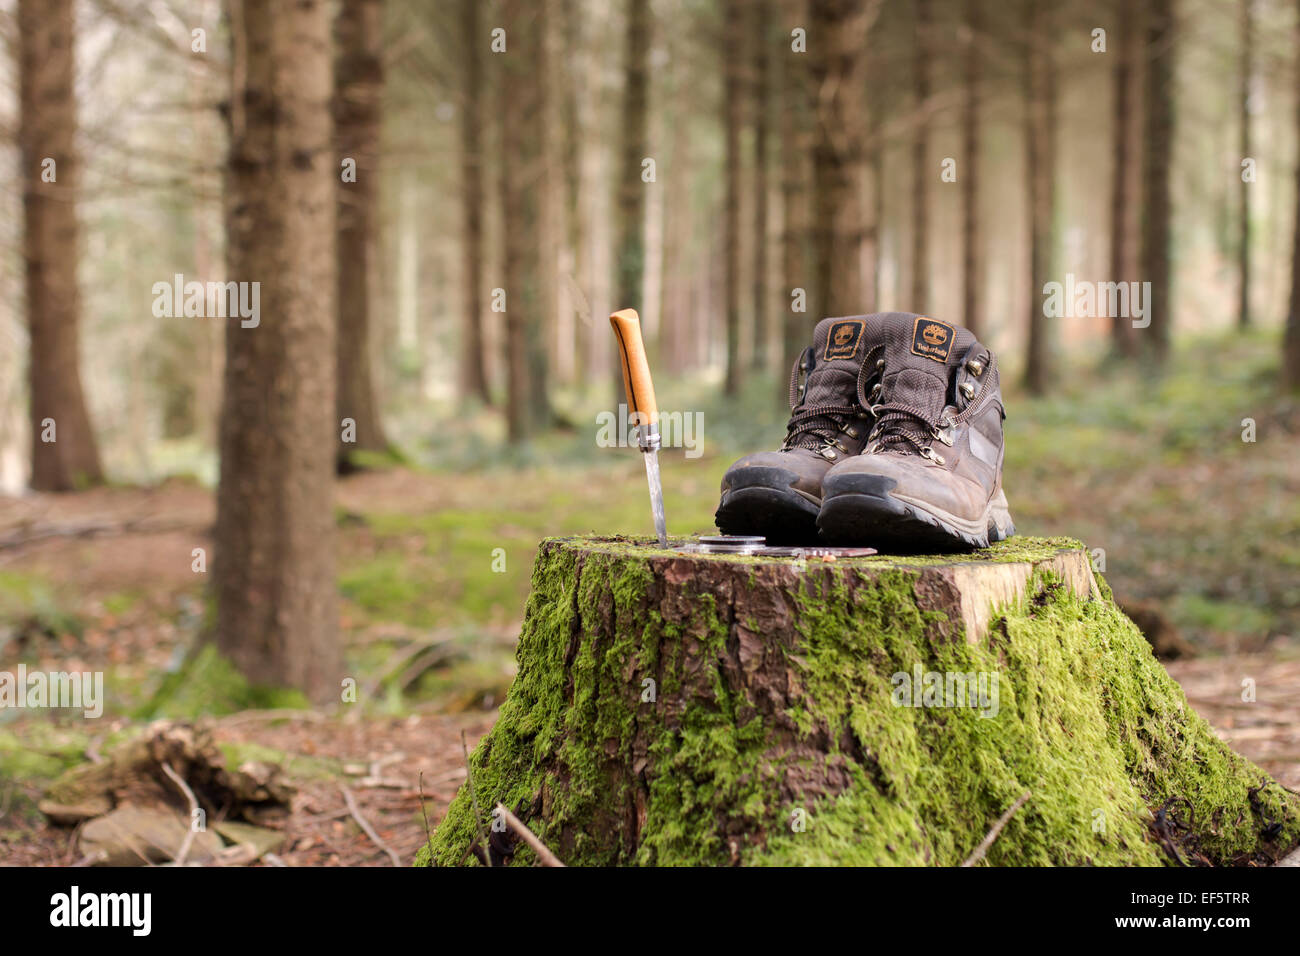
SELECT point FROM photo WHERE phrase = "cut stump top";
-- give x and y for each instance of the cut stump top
(968, 587)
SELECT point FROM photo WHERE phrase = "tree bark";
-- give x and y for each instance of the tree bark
(630, 198)
(837, 38)
(1040, 156)
(522, 89)
(970, 174)
(795, 142)
(684, 709)
(1243, 226)
(359, 87)
(1291, 338)
(762, 22)
(473, 359)
(573, 66)
(733, 106)
(273, 573)
(1156, 174)
(920, 161)
(1122, 191)
(65, 455)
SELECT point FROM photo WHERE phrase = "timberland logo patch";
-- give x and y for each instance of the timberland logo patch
(843, 341)
(932, 339)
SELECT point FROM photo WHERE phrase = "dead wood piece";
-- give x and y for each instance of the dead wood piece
(992, 835)
(545, 855)
(367, 828)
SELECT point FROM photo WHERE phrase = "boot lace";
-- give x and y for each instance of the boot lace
(815, 426)
(905, 426)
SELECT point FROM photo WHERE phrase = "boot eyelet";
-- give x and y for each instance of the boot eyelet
(930, 453)
(880, 363)
(850, 431)
(967, 390)
(875, 392)
(829, 453)
(976, 367)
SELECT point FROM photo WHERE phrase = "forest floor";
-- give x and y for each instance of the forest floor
(1191, 523)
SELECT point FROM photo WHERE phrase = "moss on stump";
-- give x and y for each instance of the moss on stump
(710, 709)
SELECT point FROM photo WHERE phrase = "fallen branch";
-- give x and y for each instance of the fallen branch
(428, 834)
(91, 530)
(997, 828)
(183, 852)
(546, 856)
(369, 830)
(473, 797)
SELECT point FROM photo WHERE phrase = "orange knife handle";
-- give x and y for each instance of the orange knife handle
(636, 370)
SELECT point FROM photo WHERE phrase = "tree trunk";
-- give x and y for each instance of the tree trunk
(572, 64)
(798, 326)
(630, 253)
(1156, 174)
(64, 453)
(1122, 198)
(733, 79)
(273, 574)
(473, 358)
(522, 89)
(921, 171)
(359, 87)
(674, 708)
(837, 39)
(1291, 339)
(1040, 156)
(970, 174)
(1243, 231)
(762, 22)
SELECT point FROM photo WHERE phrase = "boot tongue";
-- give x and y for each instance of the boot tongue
(839, 345)
(920, 354)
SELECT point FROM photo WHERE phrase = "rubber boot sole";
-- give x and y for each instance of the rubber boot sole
(780, 514)
(890, 524)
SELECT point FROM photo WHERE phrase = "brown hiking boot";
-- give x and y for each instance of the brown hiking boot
(778, 493)
(930, 477)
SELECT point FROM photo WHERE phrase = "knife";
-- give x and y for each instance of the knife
(643, 410)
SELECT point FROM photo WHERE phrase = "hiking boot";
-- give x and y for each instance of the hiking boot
(930, 476)
(778, 493)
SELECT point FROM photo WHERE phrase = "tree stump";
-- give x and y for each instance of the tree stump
(679, 708)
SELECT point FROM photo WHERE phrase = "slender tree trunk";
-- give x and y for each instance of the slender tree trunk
(797, 327)
(970, 175)
(1122, 197)
(733, 93)
(473, 359)
(1157, 163)
(630, 263)
(273, 574)
(64, 453)
(1243, 233)
(1040, 139)
(837, 39)
(1291, 339)
(359, 87)
(921, 171)
(762, 108)
(523, 103)
(875, 231)
(572, 63)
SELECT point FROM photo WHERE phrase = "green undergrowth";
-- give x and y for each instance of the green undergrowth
(207, 685)
(1083, 718)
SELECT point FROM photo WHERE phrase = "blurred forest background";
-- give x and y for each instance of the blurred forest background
(443, 201)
